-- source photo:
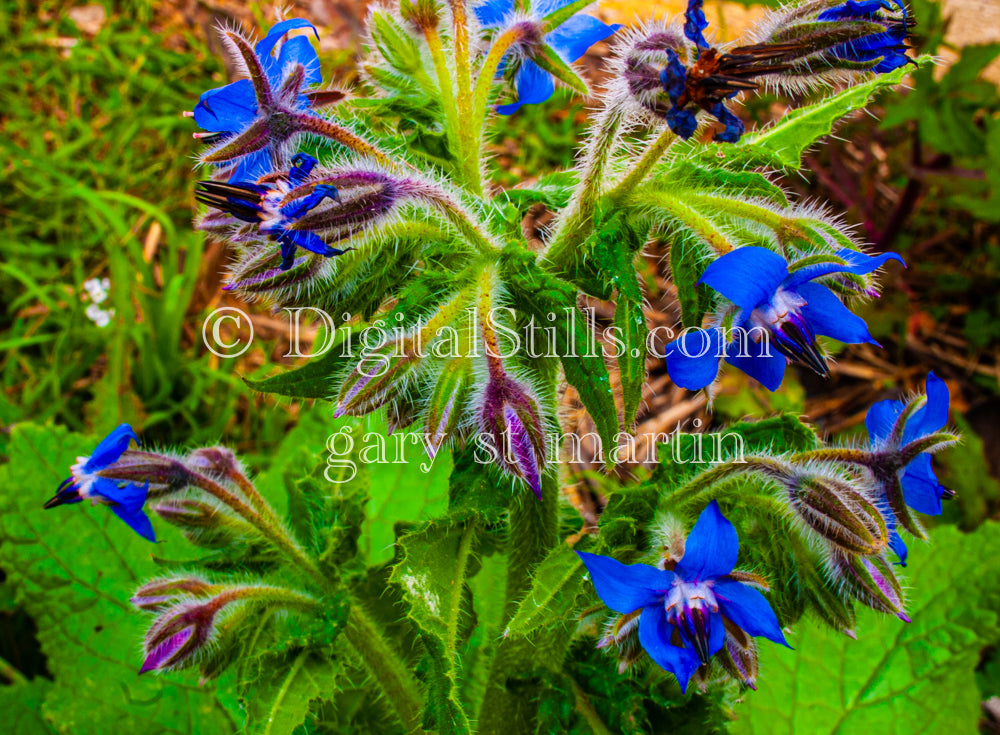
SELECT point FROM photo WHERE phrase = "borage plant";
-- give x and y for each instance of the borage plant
(379, 210)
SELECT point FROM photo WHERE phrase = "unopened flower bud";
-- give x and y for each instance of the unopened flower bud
(215, 460)
(838, 512)
(159, 594)
(739, 655)
(622, 634)
(376, 379)
(204, 524)
(444, 410)
(872, 581)
(510, 417)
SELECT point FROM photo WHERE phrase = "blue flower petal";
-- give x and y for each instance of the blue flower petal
(626, 587)
(828, 316)
(934, 414)
(543, 8)
(880, 419)
(734, 126)
(298, 50)
(137, 520)
(572, 39)
(749, 609)
(857, 263)
(765, 365)
(695, 24)
(110, 448)
(227, 109)
(747, 276)
(533, 84)
(654, 637)
(711, 548)
(693, 358)
(125, 494)
(921, 489)
(492, 12)
(898, 547)
(266, 45)
(682, 122)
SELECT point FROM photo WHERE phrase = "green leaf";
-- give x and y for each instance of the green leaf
(783, 143)
(21, 705)
(73, 570)
(631, 323)
(687, 263)
(315, 379)
(553, 190)
(542, 295)
(547, 58)
(437, 561)
(897, 677)
(284, 689)
(552, 598)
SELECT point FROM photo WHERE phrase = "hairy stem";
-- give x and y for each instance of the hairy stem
(484, 81)
(705, 228)
(390, 673)
(452, 122)
(508, 707)
(646, 161)
(463, 74)
(268, 528)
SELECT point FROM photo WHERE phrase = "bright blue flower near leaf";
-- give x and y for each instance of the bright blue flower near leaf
(263, 205)
(570, 41)
(920, 487)
(228, 110)
(888, 45)
(681, 625)
(126, 499)
(781, 311)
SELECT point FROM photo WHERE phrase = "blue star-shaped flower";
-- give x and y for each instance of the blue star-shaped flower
(681, 625)
(570, 41)
(125, 498)
(229, 110)
(786, 307)
(921, 490)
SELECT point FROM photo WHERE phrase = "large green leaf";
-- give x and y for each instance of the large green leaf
(284, 689)
(782, 144)
(545, 298)
(897, 677)
(437, 561)
(73, 570)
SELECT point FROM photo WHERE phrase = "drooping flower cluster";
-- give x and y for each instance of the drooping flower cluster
(674, 76)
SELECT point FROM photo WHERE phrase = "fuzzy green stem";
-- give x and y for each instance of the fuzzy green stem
(269, 529)
(646, 161)
(694, 489)
(463, 76)
(390, 673)
(577, 220)
(586, 709)
(484, 81)
(704, 227)
(457, 139)
(533, 532)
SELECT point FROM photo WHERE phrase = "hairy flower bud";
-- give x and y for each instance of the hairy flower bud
(622, 633)
(204, 524)
(444, 410)
(376, 378)
(838, 512)
(739, 655)
(165, 474)
(186, 631)
(510, 418)
(871, 580)
(158, 594)
(214, 460)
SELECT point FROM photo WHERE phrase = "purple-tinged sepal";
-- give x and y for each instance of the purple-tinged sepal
(159, 594)
(872, 581)
(510, 418)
